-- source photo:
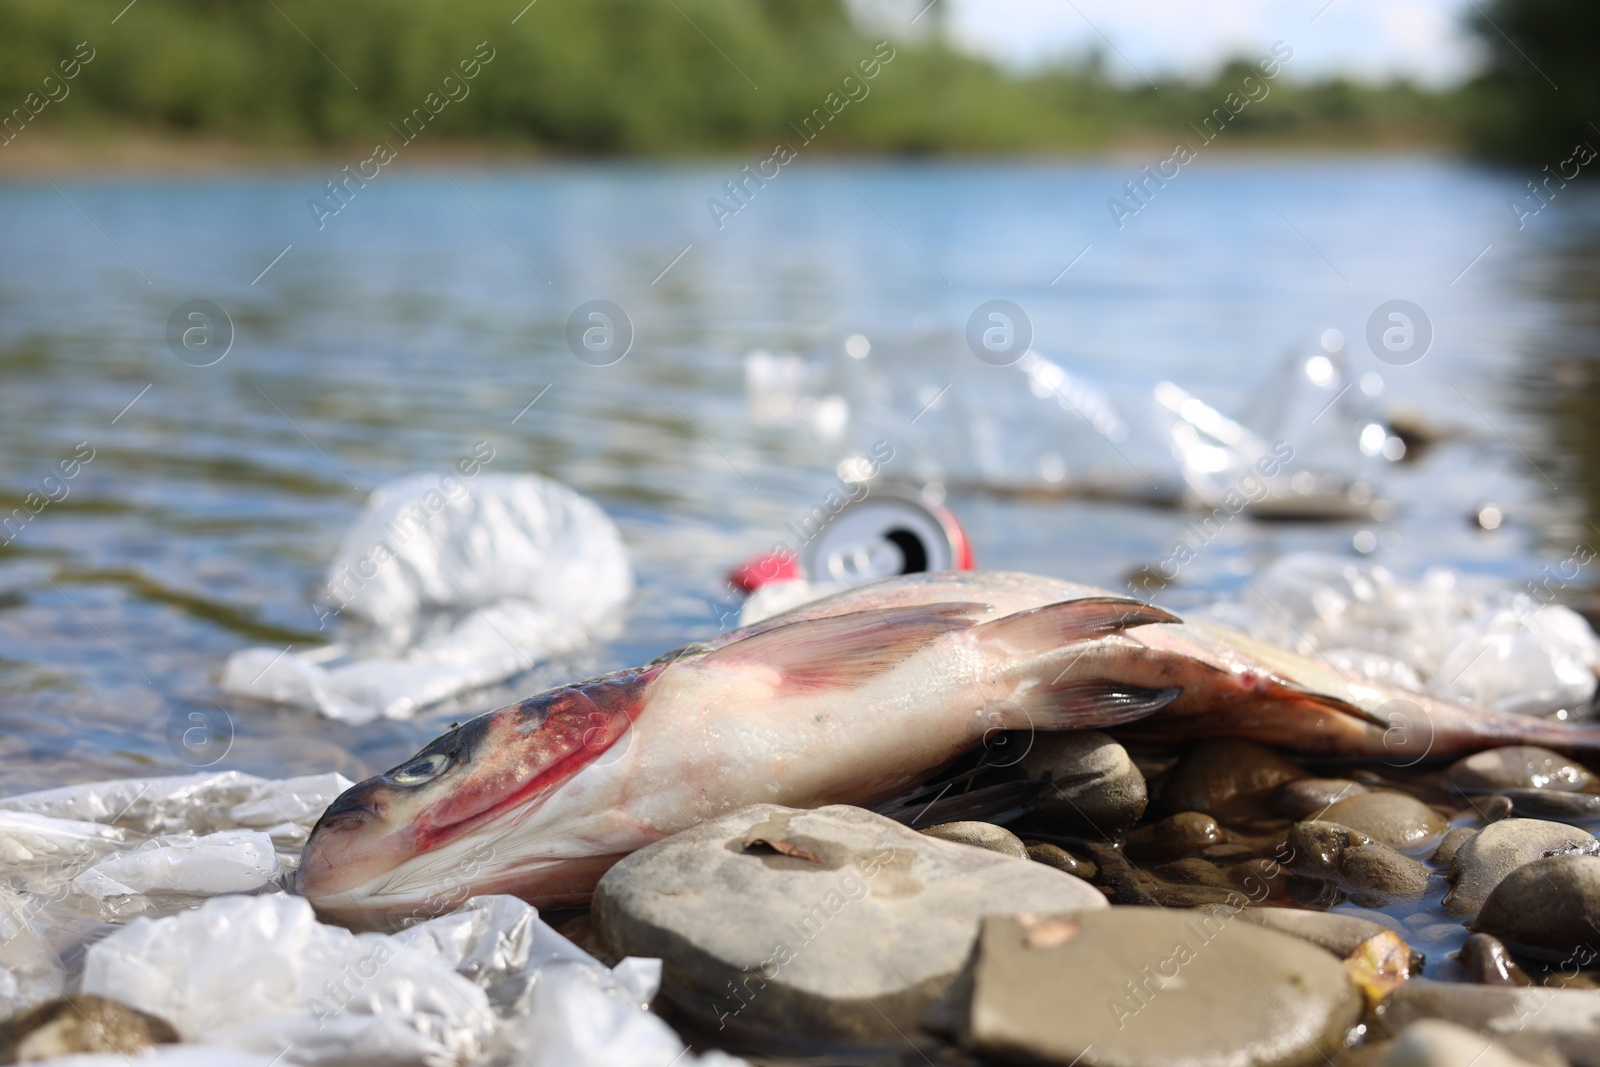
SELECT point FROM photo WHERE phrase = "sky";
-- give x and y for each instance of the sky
(1149, 39)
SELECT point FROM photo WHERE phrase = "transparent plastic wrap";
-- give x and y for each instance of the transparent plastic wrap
(284, 809)
(488, 983)
(82, 855)
(1461, 641)
(443, 585)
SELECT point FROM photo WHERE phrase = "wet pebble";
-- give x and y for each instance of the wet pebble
(1059, 858)
(1370, 871)
(1518, 767)
(82, 1023)
(1093, 787)
(1487, 962)
(1544, 804)
(980, 835)
(1502, 847)
(1546, 908)
(1174, 837)
(1445, 854)
(1145, 987)
(1394, 819)
(1308, 798)
(834, 925)
(1227, 776)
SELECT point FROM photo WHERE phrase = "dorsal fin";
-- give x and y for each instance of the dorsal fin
(1045, 629)
(841, 651)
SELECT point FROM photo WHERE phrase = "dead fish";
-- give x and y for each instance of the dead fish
(852, 699)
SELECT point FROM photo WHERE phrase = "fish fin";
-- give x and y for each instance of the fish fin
(840, 651)
(1045, 629)
(1080, 705)
(999, 803)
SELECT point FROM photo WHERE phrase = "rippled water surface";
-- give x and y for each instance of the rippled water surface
(432, 309)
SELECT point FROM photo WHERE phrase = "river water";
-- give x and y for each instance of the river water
(426, 315)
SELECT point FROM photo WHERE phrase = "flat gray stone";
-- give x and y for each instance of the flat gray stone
(1436, 1043)
(1150, 987)
(980, 835)
(1518, 767)
(1502, 847)
(827, 927)
(1394, 819)
(1339, 934)
(1094, 789)
(1527, 1019)
(1546, 909)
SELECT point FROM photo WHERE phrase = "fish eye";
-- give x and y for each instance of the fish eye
(423, 769)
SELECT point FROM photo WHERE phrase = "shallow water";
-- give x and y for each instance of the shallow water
(432, 309)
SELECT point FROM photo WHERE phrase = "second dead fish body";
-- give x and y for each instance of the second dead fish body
(852, 699)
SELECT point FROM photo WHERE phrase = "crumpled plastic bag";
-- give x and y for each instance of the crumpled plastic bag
(1500, 650)
(262, 975)
(444, 585)
(75, 857)
(229, 861)
(31, 971)
(284, 809)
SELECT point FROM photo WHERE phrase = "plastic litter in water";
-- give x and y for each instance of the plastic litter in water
(446, 584)
(1439, 633)
(251, 981)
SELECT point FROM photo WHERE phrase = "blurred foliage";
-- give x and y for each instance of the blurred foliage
(620, 76)
(1541, 92)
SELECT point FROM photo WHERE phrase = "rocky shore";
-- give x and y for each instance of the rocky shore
(1218, 904)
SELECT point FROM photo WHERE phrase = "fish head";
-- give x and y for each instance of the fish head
(466, 813)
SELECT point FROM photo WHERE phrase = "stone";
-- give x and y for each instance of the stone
(830, 926)
(82, 1023)
(1339, 934)
(1226, 776)
(1059, 858)
(1370, 871)
(1488, 962)
(1174, 837)
(1308, 798)
(980, 835)
(1546, 804)
(1526, 1020)
(1518, 767)
(1545, 909)
(1435, 1043)
(1403, 823)
(1093, 788)
(1502, 847)
(1445, 854)
(1149, 987)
